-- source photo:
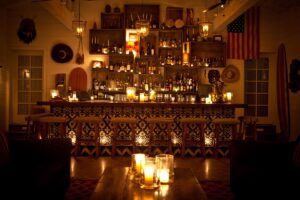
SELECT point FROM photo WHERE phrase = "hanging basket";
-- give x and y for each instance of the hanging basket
(79, 55)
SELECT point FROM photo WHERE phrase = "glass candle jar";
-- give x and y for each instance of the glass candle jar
(165, 168)
(149, 178)
(137, 164)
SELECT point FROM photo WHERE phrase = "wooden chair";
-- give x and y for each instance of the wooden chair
(220, 127)
(124, 132)
(32, 120)
(49, 123)
(187, 139)
(91, 137)
(162, 137)
(248, 128)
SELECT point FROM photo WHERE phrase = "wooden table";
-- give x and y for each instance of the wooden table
(117, 183)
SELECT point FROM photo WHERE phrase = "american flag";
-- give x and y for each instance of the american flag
(243, 36)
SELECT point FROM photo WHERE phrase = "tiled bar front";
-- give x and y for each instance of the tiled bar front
(143, 110)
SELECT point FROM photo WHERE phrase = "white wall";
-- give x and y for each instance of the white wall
(281, 26)
(276, 28)
(3, 73)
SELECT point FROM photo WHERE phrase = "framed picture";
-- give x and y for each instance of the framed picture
(218, 38)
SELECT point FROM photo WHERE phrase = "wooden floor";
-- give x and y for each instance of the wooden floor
(205, 169)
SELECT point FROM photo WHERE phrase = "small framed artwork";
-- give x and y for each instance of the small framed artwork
(218, 38)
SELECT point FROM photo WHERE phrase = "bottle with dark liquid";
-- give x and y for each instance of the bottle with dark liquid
(194, 35)
(187, 36)
(148, 49)
(152, 50)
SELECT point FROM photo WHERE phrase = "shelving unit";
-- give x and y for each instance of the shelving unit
(161, 53)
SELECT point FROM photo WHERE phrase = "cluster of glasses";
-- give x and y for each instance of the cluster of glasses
(207, 62)
(150, 172)
(169, 43)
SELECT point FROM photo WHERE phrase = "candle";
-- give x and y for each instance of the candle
(164, 175)
(193, 99)
(139, 162)
(152, 95)
(149, 171)
(130, 93)
(165, 168)
(229, 96)
(142, 97)
(54, 93)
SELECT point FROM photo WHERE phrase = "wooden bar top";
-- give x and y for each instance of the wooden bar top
(139, 104)
(117, 183)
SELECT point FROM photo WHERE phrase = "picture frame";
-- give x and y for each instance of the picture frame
(217, 38)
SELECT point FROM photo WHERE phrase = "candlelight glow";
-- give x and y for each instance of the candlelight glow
(229, 96)
(130, 91)
(54, 93)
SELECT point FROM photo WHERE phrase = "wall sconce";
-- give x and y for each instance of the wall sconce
(26, 73)
(54, 93)
(205, 29)
(142, 27)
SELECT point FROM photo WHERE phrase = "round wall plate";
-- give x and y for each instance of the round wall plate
(61, 53)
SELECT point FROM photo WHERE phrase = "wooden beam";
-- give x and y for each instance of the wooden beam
(234, 9)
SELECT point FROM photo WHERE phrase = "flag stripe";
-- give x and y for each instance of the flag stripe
(244, 44)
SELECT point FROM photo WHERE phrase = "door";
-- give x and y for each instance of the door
(26, 76)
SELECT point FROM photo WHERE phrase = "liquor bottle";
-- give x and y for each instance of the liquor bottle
(170, 85)
(142, 52)
(146, 86)
(187, 37)
(128, 67)
(148, 49)
(152, 50)
(111, 67)
(193, 36)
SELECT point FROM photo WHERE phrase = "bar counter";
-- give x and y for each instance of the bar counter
(143, 110)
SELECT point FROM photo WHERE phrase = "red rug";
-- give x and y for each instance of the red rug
(217, 190)
(81, 189)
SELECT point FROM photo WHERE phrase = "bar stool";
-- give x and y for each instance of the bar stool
(157, 137)
(124, 132)
(32, 120)
(48, 123)
(220, 125)
(187, 139)
(248, 128)
(87, 138)
(33, 124)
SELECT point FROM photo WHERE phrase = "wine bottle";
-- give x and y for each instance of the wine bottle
(187, 37)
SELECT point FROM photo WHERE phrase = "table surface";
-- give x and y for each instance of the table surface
(117, 183)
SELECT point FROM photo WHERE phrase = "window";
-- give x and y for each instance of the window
(256, 87)
(30, 82)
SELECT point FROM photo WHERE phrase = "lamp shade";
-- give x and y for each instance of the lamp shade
(205, 29)
(142, 27)
(79, 27)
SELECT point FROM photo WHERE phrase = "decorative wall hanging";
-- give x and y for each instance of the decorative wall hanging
(294, 83)
(230, 74)
(27, 31)
(61, 53)
(79, 55)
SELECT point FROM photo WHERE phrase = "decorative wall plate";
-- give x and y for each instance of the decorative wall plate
(61, 53)
(230, 74)
(179, 23)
